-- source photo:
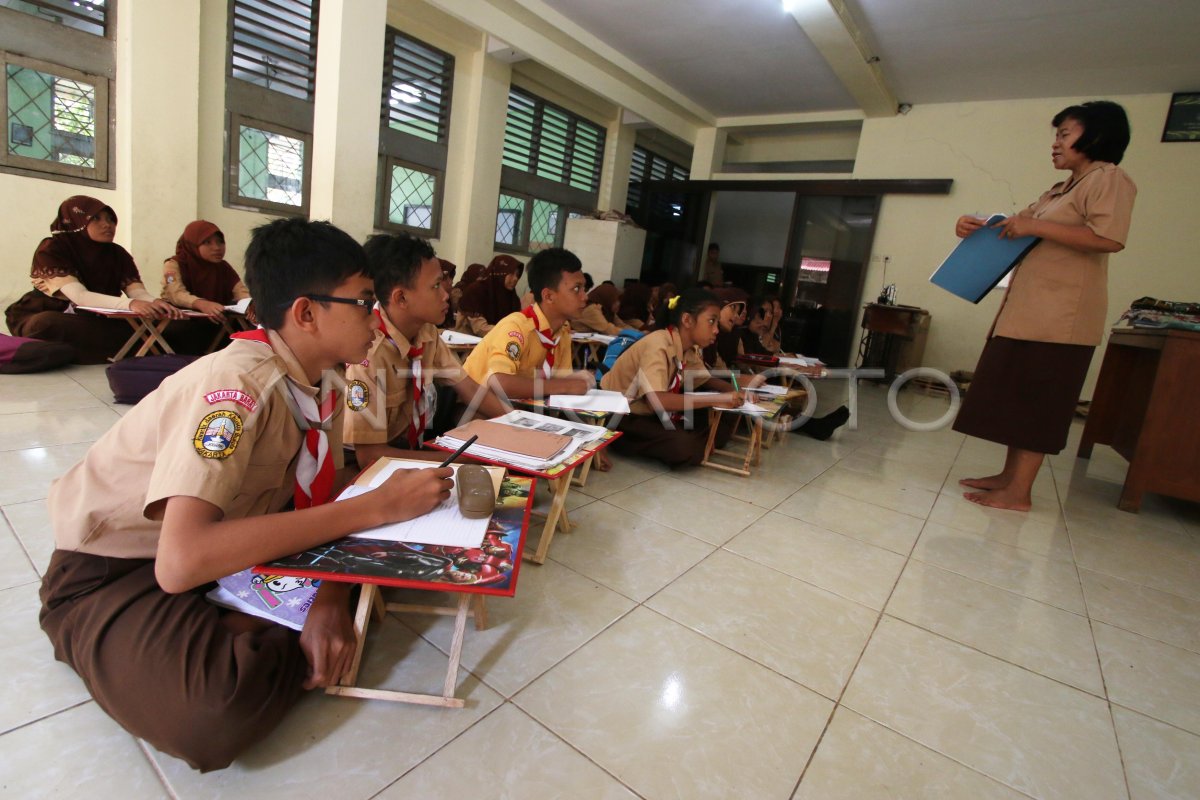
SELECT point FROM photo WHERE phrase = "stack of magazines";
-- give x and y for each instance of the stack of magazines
(523, 439)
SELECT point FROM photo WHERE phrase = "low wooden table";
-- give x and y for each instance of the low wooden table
(1145, 407)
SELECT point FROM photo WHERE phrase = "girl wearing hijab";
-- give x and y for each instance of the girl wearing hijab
(487, 301)
(473, 274)
(79, 265)
(635, 306)
(600, 314)
(199, 277)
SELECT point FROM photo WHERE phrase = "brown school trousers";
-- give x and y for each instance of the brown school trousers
(644, 435)
(162, 665)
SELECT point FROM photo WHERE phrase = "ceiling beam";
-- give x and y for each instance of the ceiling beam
(832, 29)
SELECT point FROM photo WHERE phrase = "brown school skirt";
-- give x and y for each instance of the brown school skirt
(1024, 393)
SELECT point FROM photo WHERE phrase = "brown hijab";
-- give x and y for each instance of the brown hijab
(449, 270)
(635, 302)
(472, 274)
(102, 267)
(726, 344)
(604, 296)
(488, 297)
(204, 278)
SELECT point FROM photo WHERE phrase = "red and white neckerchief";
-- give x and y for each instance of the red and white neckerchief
(548, 342)
(314, 472)
(422, 408)
(676, 384)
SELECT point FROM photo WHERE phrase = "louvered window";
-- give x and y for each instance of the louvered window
(414, 128)
(551, 143)
(89, 16)
(269, 96)
(649, 166)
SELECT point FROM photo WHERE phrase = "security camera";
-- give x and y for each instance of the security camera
(904, 108)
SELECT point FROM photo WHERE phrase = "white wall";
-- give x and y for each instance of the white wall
(998, 154)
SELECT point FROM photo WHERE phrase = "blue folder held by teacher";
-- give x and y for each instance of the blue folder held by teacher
(981, 261)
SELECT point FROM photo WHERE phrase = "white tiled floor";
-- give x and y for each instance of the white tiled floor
(843, 626)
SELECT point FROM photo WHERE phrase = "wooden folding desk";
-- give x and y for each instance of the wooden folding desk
(472, 573)
(755, 424)
(1145, 407)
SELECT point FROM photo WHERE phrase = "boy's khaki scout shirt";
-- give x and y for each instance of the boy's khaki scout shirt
(1057, 293)
(513, 348)
(221, 429)
(592, 320)
(378, 398)
(649, 365)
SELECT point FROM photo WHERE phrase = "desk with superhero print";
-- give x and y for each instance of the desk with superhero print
(471, 573)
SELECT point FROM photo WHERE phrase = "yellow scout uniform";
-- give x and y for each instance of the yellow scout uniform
(513, 347)
(379, 395)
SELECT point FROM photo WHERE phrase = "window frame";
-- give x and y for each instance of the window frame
(383, 220)
(230, 196)
(522, 247)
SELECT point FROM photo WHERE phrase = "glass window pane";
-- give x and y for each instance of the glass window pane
(410, 198)
(270, 166)
(82, 15)
(50, 118)
(508, 220)
(543, 225)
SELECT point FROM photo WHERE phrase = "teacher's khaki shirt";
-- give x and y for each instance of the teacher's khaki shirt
(1057, 293)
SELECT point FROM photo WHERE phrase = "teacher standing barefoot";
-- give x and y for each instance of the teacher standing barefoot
(1054, 313)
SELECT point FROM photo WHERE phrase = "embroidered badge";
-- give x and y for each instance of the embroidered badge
(520, 337)
(232, 396)
(170, 279)
(514, 351)
(357, 395)
(217, 435)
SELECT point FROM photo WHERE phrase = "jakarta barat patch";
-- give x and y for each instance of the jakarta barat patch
(358, 395)
(513, 350)
(217, 435)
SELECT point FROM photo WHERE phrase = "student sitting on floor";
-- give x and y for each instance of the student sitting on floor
(600, 313)
(635, 306)
(80, 265)
(449, 270)
(655, 372)
(392, 394)
(490, 299)
(185, 490)
(198, 276)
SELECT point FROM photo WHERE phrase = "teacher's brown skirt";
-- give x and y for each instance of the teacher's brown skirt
(1024, 393)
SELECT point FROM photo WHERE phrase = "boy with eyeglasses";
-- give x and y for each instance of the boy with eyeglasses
(191, 486)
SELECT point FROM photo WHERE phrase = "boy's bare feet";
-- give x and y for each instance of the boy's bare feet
(1000, 498)
(990, 482)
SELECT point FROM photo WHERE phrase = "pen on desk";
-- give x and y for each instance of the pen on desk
(450, 458)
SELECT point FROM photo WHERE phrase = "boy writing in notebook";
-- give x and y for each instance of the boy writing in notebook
(191, 486)
(392, 394)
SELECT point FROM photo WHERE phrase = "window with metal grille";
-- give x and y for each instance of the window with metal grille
(552, 143)
(647, 165)
(528, 224)
(273, 44)
(55, 119)
(269, 93)
(89, 16)
(414, 129)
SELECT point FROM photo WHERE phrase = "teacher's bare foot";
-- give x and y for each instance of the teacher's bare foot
(990, 482)
(1000, 498)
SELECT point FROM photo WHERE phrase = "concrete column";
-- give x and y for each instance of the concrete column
(345, 157)
(157, 114)
(708, 154)
(618, 153)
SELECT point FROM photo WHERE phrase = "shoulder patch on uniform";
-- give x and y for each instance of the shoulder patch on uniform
(514, 351)
(358, 395)
(217, 435)
(233, 396)
(170, 279)
(520, 337)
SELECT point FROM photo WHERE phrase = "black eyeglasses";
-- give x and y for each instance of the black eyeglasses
(350, 301)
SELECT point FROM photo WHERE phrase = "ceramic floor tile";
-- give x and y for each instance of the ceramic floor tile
(1156, 679)
(694, 719)
(1161, 762)
(994, 717)
(80, 752)
(508, 756)
(52, 391)
(1045, 639)
(810, 635)
(343, 747)
(877, 491)
(625, 552)
(33, 684)
(1145, 560)
(772, 482)
(48, 428)
(31, 524)
(1157, 615)
(855, 518)
(554, 611)
(1021, 571)
(861, 760)
(1081, 495)
(710, 517)
(626, 472)
(930, 475)
(29, 472)
(1042, 530)
(847, 567)
(15, 566)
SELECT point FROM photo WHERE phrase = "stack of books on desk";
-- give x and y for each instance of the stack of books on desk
(522, 439)
(598, 338)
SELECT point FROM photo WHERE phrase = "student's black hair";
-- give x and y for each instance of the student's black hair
(691, 301)
(289, 258)
(396, 260)
(547, 267)
(588, 282)
(1105, 129)
(755, 307)
(713, 246)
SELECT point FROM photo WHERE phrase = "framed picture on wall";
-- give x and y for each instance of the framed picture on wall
(1183, 118)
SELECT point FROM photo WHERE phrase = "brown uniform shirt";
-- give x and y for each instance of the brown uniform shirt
(592, 320)
(378, 396)
(175, 292)
(649, 365)
(220, 429)
(1057, 293)
(513, 348)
